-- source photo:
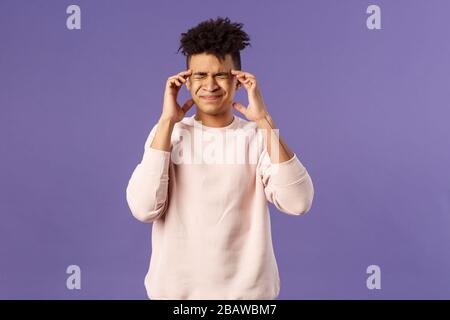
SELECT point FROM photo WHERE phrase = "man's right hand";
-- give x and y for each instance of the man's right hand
(171, 109)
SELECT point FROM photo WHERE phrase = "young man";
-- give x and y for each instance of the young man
(197, 183)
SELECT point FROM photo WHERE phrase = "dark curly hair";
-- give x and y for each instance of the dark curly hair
(218, 37)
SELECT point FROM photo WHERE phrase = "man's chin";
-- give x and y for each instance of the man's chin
(210, 108)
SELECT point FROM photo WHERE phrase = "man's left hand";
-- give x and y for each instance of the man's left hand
(256, 109)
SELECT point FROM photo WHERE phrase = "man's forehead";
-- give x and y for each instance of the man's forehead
(208, 70)
(210, 63)
(207, 67)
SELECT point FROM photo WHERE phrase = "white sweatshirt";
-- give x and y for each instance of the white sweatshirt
(211, 236)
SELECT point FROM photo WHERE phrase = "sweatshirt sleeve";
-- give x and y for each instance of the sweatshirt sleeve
(147, 188)
(287, 184)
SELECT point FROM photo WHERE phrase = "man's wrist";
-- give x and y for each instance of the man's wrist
(265, 122)
(166, 121)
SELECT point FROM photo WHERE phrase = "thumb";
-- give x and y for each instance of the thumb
(187, 105)
(239, 107)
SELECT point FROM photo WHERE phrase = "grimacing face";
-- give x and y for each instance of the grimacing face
(211, 83)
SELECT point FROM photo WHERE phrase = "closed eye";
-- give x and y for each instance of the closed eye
(220, 75)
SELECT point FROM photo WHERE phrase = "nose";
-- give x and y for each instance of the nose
(210, 83)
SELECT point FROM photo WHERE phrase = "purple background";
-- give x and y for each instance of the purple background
(367, 112)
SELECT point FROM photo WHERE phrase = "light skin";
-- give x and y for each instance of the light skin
(209, 76)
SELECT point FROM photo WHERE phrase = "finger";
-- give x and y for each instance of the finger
(174, 82)
(239, 107)
(187, 105)
(238, 74)
(172, 79)
(246, 74)
(241, 78)
(181, 79)
(181, 75)
(245, 82)
(249, 75)
(185, 73)
(248, 81)
(244, 78)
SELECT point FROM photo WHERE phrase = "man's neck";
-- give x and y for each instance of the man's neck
(215, 121)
